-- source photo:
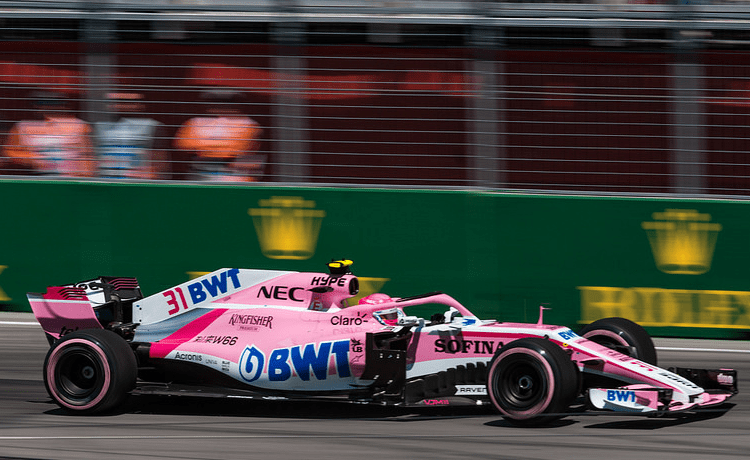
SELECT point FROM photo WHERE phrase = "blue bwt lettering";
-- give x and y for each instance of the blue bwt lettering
(621, 395)
(214, 286)
(301, 358)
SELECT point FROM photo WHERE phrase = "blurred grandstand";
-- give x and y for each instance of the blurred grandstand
(606, 97)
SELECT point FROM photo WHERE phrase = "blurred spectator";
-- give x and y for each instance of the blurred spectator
(223, 143)
(56, 143)
(134, 146)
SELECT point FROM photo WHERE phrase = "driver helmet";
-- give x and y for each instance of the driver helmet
(375, 299)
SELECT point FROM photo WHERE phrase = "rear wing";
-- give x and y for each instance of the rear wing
(103, 302)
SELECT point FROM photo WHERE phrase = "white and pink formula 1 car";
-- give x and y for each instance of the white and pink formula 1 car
(291, 335)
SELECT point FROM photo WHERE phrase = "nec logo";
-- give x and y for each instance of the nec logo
(214, 286)
(280, 293)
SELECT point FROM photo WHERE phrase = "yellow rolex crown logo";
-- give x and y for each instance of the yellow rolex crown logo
(682, 241)
(287, 227)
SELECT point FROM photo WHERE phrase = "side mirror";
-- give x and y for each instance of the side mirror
(411, 321)
(451, 315)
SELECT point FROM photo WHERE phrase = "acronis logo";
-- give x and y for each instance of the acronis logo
(306, 361)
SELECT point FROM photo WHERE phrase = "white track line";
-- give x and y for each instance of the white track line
(250, 436)
(18, 323)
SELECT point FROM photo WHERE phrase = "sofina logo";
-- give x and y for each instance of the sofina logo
(287, 227)
(682, 241)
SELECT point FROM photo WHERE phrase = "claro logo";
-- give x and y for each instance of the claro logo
(340, 320)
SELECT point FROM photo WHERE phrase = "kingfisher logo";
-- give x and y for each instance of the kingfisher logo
(302, 359)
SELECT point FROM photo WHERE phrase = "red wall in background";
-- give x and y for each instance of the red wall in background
(571, 119)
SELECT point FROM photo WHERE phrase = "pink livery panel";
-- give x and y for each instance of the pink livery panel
(59, 314)
(275, 348)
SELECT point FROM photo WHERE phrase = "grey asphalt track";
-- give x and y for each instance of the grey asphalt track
(32, 427)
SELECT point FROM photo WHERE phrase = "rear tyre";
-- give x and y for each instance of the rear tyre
(90, 371)
(622, 335)
(532, 381)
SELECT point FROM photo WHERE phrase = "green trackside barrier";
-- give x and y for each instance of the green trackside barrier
(679, 267)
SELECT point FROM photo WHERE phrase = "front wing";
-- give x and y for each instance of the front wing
(719, 386)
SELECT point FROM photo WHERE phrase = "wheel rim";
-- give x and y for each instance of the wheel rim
(79, 375)
(521, 385)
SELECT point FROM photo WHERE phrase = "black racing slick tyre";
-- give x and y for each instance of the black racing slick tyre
(532, 381)
(622, 335)
(90, 371)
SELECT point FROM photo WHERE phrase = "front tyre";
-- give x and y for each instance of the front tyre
(622, 335)
(90, 371)
(532, 381)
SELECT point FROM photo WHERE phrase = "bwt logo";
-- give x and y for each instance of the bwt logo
(621, 395)
(214, 286)
(568, 335)
(303, 358)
